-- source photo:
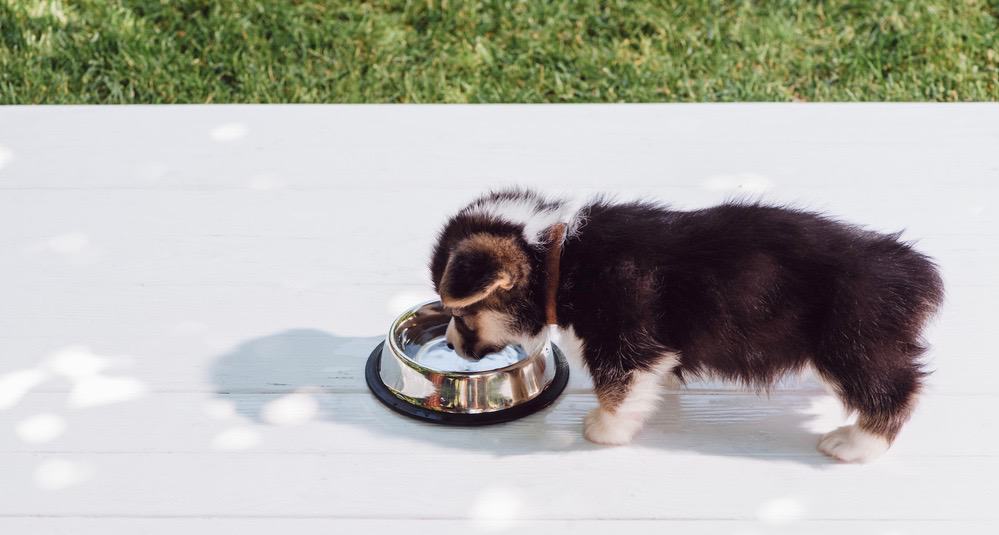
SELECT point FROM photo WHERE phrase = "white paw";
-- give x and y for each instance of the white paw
(604, 427)
(852, 444)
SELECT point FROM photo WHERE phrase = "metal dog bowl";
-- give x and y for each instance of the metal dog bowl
(414, 373)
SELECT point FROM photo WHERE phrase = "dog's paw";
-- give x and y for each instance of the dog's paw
(604, 427)
(852, 444)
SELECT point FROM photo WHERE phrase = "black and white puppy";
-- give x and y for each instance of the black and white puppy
(745, 292)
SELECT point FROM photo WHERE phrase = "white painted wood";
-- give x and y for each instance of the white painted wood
(188, 294)
(714, 424)
(325, 526)
(615, 483)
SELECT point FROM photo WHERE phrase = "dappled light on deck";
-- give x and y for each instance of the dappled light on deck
(495, 508)
(58, 474)
(188, 296)
(41, 428)
(229, 132)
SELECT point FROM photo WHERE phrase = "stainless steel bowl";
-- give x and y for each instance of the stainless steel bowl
(414, 373)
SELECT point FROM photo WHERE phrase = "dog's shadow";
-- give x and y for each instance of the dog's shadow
(330, 370)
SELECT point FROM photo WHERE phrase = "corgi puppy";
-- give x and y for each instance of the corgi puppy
(744, 292)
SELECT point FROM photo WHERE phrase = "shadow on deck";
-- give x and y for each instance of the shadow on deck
(326, 367)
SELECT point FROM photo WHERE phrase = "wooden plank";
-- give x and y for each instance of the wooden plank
(325, 526)
(346, 217)
(203, 354)
(784, 425)
(342, 371)
(621, 483)
(377, 147)
(219, 340)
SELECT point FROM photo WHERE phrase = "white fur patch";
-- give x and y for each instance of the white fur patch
(646, 388)
(525, 211)
(852, 444)
(604, 427)
(621, 424)
(570, 344)
(493, 327)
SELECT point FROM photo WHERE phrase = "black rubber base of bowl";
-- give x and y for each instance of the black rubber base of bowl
(373, 376)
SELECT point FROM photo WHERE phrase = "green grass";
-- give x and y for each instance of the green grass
(144, 51)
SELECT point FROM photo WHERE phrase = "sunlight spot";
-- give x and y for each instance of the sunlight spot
(220, 409)
(14, 385)
(229, 132)
(68, 244)
(40, 428)
(76, 361)
(495, 509)
(58, 474)
(90, 387)
(265, 183)
(6, 155)
(293, 409)
(73, 246)
(780, 511)
(236, 438)
(407, 299)
(747, 182)
(102, 390)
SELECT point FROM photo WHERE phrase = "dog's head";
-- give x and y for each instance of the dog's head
(484, 280)
(489, 269)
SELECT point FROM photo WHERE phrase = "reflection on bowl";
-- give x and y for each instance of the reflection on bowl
(417, 367)
(436, 355)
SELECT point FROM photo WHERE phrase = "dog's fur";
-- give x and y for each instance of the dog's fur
(743, 291)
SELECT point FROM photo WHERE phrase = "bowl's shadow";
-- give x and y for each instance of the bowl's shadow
(331, 369)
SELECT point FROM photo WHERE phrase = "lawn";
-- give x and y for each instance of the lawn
(144, 51)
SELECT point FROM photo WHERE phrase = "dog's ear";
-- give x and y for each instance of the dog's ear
(479, 266)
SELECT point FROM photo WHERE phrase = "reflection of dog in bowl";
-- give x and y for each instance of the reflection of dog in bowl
(744, 292)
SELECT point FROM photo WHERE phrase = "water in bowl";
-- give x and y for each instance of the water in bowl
(435, 354)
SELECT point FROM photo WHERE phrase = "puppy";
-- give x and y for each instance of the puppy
(745, 292)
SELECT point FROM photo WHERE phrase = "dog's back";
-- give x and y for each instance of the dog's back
(750, 292)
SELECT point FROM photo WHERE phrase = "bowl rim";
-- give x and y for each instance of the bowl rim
(397, 351)
(391, 399)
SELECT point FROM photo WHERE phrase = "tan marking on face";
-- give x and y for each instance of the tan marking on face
(493, 328)
(491, 331)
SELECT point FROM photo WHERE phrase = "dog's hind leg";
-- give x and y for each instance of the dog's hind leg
(881, 388)
(870, 344)
(628, 388)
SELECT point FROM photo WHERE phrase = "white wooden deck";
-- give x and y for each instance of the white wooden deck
(187, 295)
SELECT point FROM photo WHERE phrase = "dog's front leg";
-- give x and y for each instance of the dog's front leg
(628, 388)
